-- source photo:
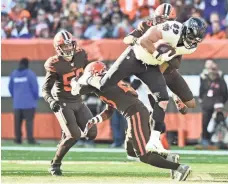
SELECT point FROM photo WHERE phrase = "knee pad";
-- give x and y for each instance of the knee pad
(163, 104)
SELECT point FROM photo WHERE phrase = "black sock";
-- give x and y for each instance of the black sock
(157, 160)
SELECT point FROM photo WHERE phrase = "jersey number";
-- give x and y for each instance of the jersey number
(68, 76)
(175, 29)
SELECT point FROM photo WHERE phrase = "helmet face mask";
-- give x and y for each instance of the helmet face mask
(67, 50)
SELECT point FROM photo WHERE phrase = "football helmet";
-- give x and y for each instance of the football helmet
(193, 32)
(163, 13)
(95, 68)
(64, 44)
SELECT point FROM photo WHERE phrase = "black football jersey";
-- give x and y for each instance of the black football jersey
(120, 97)
(59, 74)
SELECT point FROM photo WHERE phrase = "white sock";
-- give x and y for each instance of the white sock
(155, 133)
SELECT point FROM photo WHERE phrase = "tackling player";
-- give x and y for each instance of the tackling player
(70, 110)
(143, 60)
(173, 79)
(123, 98)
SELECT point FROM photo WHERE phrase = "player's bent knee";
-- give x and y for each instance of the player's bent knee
(191, 103)
(163, 104)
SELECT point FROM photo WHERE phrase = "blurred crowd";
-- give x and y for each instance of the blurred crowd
(96, 19)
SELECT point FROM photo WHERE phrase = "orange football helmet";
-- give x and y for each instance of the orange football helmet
(64, 44)
(95, 68)
(164, 12)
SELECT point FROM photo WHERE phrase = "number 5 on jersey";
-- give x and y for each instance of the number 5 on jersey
(68, 76)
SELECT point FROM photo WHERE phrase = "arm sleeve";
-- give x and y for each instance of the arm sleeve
(47, 86)
(142, 27)
(34, 85)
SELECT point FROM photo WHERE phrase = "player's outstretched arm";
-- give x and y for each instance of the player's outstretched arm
(133, 36)
(48, 85)
(104, 115)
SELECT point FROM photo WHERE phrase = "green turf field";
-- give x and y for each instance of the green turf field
(100, 167)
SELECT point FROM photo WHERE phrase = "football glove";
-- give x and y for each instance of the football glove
(55, 106)
(75, 87)
(91, 122)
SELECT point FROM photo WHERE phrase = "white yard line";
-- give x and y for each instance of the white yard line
(108, 150)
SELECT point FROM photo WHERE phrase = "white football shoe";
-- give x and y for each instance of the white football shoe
(154, 144)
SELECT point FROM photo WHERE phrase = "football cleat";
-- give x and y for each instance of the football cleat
(182, 108)
(182, 172)
(173, 157)
(55, 170)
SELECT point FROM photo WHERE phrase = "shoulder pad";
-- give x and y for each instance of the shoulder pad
(171, 32)
(81, 51)
(49, 64)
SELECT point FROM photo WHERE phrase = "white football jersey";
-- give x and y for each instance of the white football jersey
(171, 33)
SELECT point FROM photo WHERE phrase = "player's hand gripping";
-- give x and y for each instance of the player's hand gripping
(75, 86)
(91, 122)
(55, 106)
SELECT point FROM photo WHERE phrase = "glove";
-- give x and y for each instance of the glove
(93, 121)
(75, 87)
(55, 106)
(130, 40)
(166, 56)
(83, 80)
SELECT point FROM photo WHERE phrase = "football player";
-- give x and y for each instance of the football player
(124, 98)
(182, 96)
(143, 60)
(70, 110)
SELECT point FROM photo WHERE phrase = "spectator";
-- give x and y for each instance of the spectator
(43, 31)
(95, 31)
(213, 89)
(77, 30)
(20, 29)
(23, 87)
(64, 25)
(122, 29)
(129, 8)
(218, 127)
(199, 4)
(214, 18)
(214, 6)
(115, 21)
(217, 33)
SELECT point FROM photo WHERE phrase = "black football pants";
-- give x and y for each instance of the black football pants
(127, 65)
(72, 117)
